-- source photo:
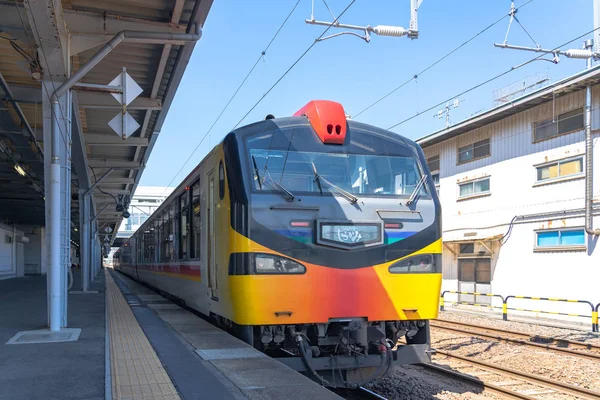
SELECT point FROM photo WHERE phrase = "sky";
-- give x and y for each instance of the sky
(352, 72)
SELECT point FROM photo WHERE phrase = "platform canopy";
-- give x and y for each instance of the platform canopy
(33, 37)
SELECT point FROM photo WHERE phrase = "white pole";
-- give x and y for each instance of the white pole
(596, 25)
(84, 244)
(55, 273)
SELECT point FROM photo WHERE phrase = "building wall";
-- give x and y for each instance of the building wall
(144, 202)
(516, 268)
(33, 250)
(11, 266)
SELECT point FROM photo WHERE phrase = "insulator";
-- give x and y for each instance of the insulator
(386, 30)
(578, 53)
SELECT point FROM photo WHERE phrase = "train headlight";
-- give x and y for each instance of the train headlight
(269, 264)
(428, 263)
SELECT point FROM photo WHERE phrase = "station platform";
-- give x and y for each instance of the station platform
(134, 344)
(67, 370)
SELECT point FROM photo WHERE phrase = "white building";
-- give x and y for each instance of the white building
(144, 202)
(512, 185)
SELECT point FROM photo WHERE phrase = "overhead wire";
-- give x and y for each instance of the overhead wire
(294, 63)
(490, 80)
(430, 66)
(20, 50)
(98, 186)
(260, 57)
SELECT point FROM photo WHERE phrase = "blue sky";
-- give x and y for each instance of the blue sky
(350, 71)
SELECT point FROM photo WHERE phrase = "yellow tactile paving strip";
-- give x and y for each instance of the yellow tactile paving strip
(137, 373)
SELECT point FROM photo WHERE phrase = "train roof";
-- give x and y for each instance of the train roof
(314, 115)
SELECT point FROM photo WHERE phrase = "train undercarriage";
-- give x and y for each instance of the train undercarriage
(344, 353)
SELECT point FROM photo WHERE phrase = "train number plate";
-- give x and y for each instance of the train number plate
(348, 234)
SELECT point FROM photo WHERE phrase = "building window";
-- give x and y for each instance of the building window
(474, 188)
(560, 169)
(474, 151)
(565, 123)
(560, 238)
(467, 248)
(433, 163)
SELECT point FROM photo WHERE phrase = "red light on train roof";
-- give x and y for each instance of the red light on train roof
(392, 226)
(327, 118)
(187, 188)
(300, 223)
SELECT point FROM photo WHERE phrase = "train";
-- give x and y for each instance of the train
(314, 238)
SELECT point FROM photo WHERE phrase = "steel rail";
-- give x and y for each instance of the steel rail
(358, 393)
(574, 343)
(556, 349)
(502, 391)
(369, 394)
(526, 377)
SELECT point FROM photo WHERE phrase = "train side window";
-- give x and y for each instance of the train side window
(184, 224)
(158, 235)
(164, 236)
(172, 230)
(196, 226)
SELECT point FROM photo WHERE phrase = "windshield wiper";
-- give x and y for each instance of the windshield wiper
(413, 195)
(336, 189)
(317, 178)
(256, 173)
(272, 184)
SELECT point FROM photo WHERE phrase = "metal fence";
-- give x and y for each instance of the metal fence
(505, 308)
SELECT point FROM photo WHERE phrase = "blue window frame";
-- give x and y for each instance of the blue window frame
(560, 238)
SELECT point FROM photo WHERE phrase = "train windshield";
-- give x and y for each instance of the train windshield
(360, 174)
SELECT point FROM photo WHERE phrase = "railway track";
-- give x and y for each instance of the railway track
(521, 385)
(360, 393)
(562, 346)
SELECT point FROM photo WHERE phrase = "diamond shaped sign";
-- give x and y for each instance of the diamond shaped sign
(132, 89)
(124, 125)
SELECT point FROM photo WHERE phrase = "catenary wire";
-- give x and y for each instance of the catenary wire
(293, 65)
(418, 74)
(489, 80)
(260, 57)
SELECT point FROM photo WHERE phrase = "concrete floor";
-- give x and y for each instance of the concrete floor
(69, 370)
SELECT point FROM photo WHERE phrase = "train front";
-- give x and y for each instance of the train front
(335, 264)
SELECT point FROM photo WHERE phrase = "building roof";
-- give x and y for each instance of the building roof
(157, 69)
(570, 84)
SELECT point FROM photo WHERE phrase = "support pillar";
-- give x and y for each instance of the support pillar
(84, 249)
(58, 203)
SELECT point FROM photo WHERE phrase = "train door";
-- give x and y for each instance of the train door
(213, 282)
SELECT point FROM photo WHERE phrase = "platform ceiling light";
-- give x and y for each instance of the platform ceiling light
(20, 170)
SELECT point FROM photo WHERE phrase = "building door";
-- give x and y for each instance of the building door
(212, 263)
(474, 276)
